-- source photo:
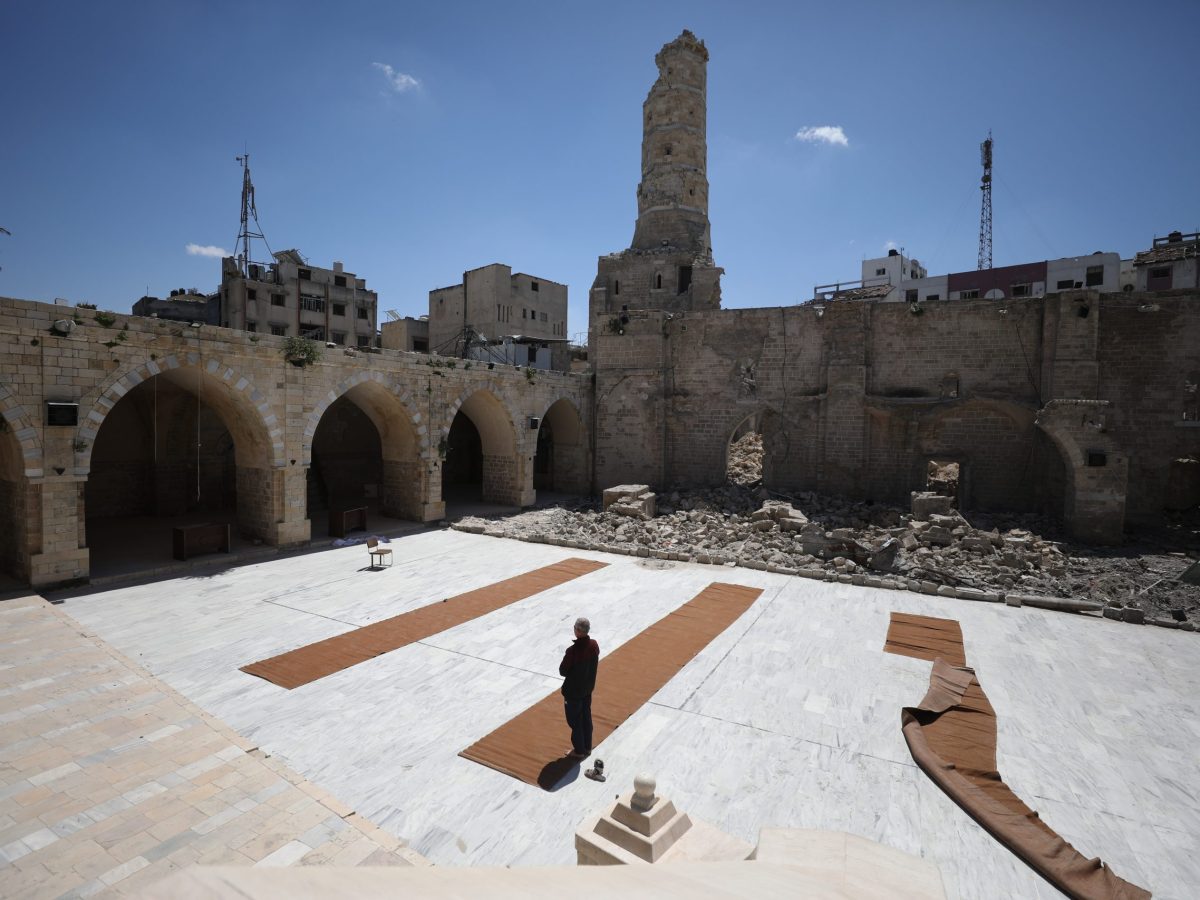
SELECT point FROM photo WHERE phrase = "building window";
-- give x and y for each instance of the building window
(312, 304)
(658, 282)
(544, 317)
(339, 309)
(881, 271)
(420, 345)
(972, 294)
(339, 280)
(251, 294)
(617, 288)
(933, 296)
(910, 295)
(1097, 458)
(533, 285)
(338, 337)
(1095, 276)
(1021, 290)
(362, 312)
(1065, 284)
(314, 333)
(364, 340)
(278, 300)
(668, 150)
(685, 279)
(279, 330)
(304, 274)
(252, 326)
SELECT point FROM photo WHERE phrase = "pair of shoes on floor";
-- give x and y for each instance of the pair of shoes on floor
(596, 774)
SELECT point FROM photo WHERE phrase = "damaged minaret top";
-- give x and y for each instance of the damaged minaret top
(669, 265)
(673, 195)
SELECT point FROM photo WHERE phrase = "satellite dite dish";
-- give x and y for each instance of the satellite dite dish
(994, 294)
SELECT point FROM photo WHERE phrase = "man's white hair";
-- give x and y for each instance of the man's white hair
(582, 624)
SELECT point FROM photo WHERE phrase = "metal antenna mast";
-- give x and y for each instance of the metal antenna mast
(985, 214)
(249, 211)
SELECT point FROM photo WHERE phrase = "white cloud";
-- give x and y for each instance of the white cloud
(890, 245)
(823, 134)
(397, 81)
(207, 250)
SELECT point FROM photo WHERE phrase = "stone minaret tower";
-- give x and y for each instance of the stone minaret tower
(669, 266)
(673, 195)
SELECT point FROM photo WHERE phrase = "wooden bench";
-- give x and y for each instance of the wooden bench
(191, 540)
(345, 520)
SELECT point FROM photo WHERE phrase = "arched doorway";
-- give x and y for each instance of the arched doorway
(13, 553)
(365, 454)
(560, 460)
(175, 450)
(480, 461)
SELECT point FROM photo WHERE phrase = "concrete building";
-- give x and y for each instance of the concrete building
(896, 278)
(408, 334)
(184, 305)
(291, 298)
(494, 304)
(1171, 264)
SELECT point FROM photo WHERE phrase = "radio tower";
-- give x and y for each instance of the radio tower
(985, 214)
(249, 211)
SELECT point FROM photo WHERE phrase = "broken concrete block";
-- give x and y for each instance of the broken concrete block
(622, 491)
(946, 590)
(937, 535)
(1133, 616)
(966, 593)
(926, 503)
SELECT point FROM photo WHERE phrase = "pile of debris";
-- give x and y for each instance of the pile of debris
(932, 543)
(745, 459)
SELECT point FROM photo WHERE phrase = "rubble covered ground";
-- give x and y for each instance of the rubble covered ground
(1006, 553)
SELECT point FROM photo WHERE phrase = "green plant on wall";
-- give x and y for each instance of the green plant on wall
(529, 374)
(106, 319)
(300, 351)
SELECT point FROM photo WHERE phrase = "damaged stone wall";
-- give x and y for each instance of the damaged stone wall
(857, 398)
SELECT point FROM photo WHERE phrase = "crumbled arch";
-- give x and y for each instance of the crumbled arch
(243, 409)
(402, 396)
(24, 431)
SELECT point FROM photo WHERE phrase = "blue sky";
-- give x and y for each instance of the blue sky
(414, 141)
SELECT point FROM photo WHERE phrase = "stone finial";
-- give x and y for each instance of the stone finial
(643, 793)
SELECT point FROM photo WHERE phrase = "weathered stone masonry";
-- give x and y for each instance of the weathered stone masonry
(271, 410)
(1073, 403)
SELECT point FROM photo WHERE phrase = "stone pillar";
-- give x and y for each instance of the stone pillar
(642, 827)
(63, 552)
(403, 490)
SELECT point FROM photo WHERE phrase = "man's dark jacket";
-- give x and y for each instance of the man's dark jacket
(578, 668)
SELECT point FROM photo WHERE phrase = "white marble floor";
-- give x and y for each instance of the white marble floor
(789, 718)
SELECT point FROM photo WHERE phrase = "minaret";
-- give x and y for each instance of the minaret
(673, 194)
(669, 265)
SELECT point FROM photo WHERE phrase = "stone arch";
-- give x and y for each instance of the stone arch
(23, 431)
(20, 458)
(383, 392)
(560, 458)
(402, 450)
(501, 473)
(1097, 471)
(245, 411)
(253, 477)
(777, 453)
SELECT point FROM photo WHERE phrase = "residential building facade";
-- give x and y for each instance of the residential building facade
(293, 298)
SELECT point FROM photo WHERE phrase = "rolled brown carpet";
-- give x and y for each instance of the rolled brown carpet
(532, 746)
(951, 735)
(307, 664)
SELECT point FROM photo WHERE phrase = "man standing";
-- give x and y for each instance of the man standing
(578, 669)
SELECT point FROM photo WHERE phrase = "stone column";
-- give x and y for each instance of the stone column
(63, 552)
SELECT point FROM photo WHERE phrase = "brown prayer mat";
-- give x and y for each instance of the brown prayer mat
(952, 737)
(532, 746)
(306, 664)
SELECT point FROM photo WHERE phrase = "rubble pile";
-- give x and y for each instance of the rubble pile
(745, 459)
(932, 545)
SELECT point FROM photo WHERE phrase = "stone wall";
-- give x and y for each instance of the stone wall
(270, 408)
(857, 398)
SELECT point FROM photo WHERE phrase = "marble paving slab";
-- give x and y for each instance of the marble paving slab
(789, 718)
